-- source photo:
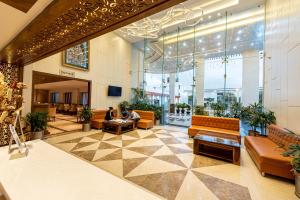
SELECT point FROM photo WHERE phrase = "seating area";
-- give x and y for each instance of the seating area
(215, 126)
(149, 99)
(267, 152)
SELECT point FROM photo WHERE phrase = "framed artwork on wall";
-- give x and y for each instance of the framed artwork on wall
(77, 57)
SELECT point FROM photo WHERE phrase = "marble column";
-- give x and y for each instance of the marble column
(250, 83)
(199, 81)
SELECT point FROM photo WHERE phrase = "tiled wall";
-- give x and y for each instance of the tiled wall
(11, 74)
(282, 67)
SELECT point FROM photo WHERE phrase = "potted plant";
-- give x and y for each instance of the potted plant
(124, 105)
(183, 107)
(188, 109)
(178, 106)
(266, 118)
(157, 114)
(235, 110)
(200, 110)
(38, 124)
(251, 115)
(86, 114)
(219, 109)
(294, 152)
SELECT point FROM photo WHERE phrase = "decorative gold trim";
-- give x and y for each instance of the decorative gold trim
(75, 66)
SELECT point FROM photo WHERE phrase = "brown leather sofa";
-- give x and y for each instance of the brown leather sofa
(99, 117)
(266, 152)
(147, 119)
(228, 128)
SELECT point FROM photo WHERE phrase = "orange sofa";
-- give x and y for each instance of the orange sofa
(147, 119)
(266, 152)
(99, 117)
(228, 128)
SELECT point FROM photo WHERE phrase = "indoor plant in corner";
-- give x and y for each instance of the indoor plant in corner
(86, 114)
(38, 124)
(294, 152)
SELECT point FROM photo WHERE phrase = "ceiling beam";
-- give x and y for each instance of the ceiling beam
(22, 5)
(64, 24)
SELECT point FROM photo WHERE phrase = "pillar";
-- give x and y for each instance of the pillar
(250, 83)
(199, 81)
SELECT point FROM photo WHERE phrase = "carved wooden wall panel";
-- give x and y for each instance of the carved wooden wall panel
(12, 74)
(66, 23)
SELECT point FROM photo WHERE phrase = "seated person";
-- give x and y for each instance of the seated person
(124, 114)
(109, 114)
(133, 115)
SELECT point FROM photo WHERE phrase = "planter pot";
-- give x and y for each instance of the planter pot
(297, 184)
(86, 127)
(253, 133)
(157, 122)
(39, 135)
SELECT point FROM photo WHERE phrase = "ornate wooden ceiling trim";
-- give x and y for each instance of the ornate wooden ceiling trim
(23, 5)
(66, 23)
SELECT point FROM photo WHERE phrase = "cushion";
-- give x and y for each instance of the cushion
(217, 130)
(216, 122)
(268, 151)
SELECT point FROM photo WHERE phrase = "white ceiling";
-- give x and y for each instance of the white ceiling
(14, 21)
(61, 85)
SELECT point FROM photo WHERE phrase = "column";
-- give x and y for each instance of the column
(199, 81)
(172, 81)
(250, 83)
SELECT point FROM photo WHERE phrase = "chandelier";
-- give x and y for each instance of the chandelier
(151, 27)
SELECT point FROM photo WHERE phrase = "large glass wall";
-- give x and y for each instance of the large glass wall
(220, 59)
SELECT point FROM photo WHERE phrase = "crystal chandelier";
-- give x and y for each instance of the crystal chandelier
(151, 27)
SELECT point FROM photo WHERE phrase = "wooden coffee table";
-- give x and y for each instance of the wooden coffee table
(224, 149)
(118, 127)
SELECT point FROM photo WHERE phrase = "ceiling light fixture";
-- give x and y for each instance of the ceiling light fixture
(151, 27)
(243, 19)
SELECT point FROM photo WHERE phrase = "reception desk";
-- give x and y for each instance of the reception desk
(40, 107)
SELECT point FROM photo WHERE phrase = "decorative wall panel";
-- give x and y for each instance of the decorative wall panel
(66, 23)
(12, 75)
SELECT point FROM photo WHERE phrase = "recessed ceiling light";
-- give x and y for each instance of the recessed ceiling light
(218, 36)
(219, 43)
(169, 52)
(238, 39)
(252, 44)
(205, 54)
(219, 14)
(203, 49)
(184, 44)
(209, 17)
(147, 48)
(240, 31)
(170, 47)
(259, 34)
(234, 47)
(200, 41)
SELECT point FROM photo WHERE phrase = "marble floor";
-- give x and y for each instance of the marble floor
(62, 124)
(161, 161)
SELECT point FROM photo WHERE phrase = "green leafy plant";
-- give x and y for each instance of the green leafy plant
(294, 152)
(235, 110)
(138, 95)
(200, 110)
(37, 121)
(124, 105)
(219, 109)
(258, 117)
(86, 114)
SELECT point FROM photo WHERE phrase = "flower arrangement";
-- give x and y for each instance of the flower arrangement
(10, 100)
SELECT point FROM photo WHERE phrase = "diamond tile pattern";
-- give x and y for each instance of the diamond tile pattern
(158, 160)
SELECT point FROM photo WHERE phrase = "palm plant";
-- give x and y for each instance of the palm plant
(86, 114)
(219, 109)
(235, 110)
(294, 152)
(37, 121)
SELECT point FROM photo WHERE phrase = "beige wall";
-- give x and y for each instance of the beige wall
(110, 64)
(282, 67)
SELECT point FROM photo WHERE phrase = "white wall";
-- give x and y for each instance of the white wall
(282, 67)
(110, 64)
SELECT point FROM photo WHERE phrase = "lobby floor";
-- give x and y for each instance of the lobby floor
(160, 160)
(62, 124)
